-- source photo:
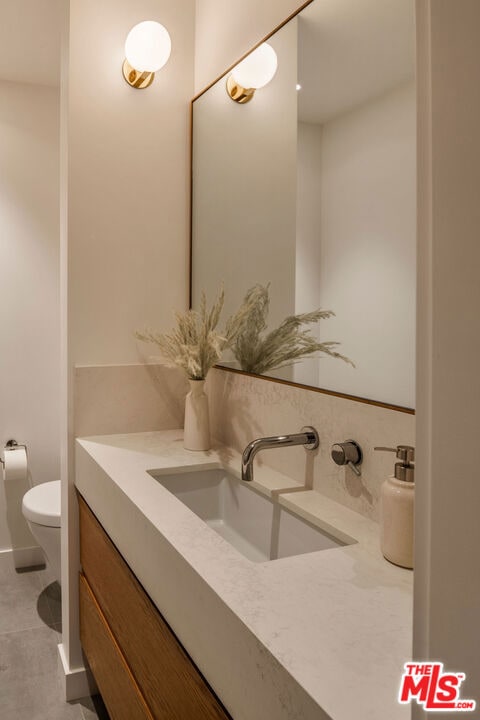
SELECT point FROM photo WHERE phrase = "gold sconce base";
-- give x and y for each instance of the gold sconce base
(237, 92)
(135, 78)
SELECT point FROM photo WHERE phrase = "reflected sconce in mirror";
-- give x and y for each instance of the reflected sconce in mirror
(147, 49)
(252, 73)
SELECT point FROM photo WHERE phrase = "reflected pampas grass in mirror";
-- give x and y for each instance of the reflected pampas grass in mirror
(258, 352)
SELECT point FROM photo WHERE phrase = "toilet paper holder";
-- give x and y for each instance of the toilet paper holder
(12, 445)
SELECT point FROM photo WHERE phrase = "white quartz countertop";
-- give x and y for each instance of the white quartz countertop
(326, 633)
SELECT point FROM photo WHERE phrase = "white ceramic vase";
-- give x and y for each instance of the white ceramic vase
(197, 425)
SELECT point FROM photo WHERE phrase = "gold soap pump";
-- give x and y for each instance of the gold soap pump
(397, 504)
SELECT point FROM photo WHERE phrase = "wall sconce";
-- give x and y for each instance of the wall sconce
(147, 49)
(254, 72)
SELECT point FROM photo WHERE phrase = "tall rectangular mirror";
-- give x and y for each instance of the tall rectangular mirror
(310, 188)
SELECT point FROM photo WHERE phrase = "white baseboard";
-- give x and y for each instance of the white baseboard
(78, 682)
(25, 557)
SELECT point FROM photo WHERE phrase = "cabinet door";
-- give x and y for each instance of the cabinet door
(114, 679)
(171, 684)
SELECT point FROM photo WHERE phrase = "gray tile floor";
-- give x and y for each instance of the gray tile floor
(30, 629)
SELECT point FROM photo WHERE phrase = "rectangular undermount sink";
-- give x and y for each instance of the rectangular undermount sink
(256, 526)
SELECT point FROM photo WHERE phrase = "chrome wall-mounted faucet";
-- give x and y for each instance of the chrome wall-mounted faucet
(307, 437)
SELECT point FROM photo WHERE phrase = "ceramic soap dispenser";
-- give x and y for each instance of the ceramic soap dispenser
(397, 500)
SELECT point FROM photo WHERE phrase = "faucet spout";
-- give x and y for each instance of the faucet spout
(307, 437)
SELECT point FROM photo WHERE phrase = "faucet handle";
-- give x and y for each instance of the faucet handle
(347, 453)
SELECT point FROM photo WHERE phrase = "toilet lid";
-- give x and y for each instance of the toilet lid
(41, 504)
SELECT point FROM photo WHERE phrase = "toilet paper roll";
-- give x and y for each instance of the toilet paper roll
(15, 465)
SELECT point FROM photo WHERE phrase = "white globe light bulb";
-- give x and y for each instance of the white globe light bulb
(148, 46)
(257, 69)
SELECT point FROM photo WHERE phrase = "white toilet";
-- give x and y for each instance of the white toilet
(41, 508)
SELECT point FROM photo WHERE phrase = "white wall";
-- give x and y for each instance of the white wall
(368, 247)
(29, 283)
(447, 584)
(125, 220)
(127, 184)
(308, 225)
(244, 205)
(308, 237)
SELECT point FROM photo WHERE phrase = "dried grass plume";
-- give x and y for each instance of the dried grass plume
(195, 344)
(258, 352)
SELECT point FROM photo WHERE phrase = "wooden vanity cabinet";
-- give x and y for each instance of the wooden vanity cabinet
(140, 667)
